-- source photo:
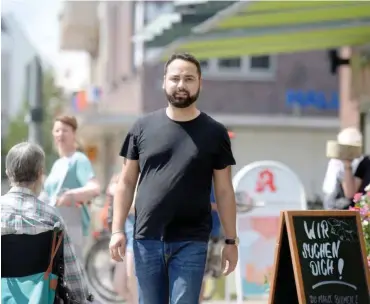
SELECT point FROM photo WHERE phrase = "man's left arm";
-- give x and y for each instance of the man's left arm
(225, 199)
(225, 196)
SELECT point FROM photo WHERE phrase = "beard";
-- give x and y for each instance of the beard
(182, 102)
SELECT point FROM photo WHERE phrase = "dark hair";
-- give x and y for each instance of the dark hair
(186, 57)
(68, 120)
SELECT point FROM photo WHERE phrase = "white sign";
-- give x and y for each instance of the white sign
(269, 187)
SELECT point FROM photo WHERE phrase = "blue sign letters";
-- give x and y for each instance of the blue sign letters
(314, 99)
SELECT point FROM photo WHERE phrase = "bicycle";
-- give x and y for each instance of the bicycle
(100, 269)
(99, 266)
(244, 203)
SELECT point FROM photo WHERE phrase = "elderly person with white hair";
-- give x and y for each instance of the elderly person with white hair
(23, 213)
(344, 178)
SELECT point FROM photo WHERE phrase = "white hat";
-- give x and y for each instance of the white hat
(350, 136)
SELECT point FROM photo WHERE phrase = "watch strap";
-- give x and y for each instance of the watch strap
(230, 241)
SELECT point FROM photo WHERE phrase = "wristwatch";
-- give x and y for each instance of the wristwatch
(232, 241)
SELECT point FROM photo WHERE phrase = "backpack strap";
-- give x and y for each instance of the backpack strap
(54, 250)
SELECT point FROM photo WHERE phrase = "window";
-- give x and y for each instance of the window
(253, 67)
(204, 64)
(260, 62)
(230, 63)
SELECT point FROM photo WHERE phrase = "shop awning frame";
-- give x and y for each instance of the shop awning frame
(185, 16)
(273, 40)
(252, 14)
(267, 27)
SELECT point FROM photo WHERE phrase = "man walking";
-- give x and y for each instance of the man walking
(177, 151)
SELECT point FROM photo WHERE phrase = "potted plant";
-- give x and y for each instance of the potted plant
(362, 205)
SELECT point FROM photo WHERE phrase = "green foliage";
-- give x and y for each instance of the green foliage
(17, 132)
(362, 205)
(18, 128)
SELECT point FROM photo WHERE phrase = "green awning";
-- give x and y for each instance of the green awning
(267, 27)
(254, 14)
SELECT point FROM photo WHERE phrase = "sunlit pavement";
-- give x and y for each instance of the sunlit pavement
(234, 302)
(221, 302)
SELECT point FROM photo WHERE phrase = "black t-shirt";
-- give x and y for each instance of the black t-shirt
(176, 161)
(363, 172)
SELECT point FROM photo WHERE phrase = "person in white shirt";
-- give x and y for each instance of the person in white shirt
(335, 172)
(334, 192)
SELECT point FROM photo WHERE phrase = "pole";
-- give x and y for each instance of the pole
(34, 97)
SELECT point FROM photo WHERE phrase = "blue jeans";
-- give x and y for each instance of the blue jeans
(169, 272)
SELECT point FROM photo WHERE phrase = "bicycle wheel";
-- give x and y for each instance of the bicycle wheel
(99, 270)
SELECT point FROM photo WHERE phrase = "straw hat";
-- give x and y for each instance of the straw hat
(350, 137)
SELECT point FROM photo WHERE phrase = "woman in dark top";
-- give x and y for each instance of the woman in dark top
(354, 183)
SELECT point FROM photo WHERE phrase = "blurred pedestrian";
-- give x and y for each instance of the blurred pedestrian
(124, 274)
(215, 233)
(23, 213)
(176, 151)
(71, 183)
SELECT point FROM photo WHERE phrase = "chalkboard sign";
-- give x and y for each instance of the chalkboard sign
(320, 259)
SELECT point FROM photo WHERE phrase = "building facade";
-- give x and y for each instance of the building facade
(281, 107)
(16, 53)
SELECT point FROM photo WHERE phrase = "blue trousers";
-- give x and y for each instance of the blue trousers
(169, 272)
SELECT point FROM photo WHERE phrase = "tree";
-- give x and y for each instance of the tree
(17, 132)
(18, 128)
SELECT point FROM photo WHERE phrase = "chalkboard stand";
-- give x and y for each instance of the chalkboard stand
(283, 288)
(287, 285)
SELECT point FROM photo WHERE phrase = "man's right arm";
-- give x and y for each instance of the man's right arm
(124, 194)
